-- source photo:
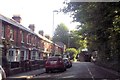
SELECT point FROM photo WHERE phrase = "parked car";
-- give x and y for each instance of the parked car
(2, 73)
(67, 62)
(55, 63)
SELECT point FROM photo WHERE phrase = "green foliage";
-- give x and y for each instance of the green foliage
(61, 34)
(77, 41)
(72, 52)
(100, 26)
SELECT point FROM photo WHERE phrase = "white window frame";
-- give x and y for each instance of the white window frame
(34, 41)
(3, 31)
(11, 55)
(11, 34)
(28, 38)
(26, 55)
(33, 55)
(22, 36)
(22, 56)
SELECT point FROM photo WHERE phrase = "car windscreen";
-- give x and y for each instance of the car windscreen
(53, 59)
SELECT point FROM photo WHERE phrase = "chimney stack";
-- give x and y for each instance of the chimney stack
(32, 27)
(47, 36)
(17, 18)
(41, 32)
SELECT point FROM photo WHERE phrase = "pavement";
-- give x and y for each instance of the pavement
(29, 74)
(110, 70)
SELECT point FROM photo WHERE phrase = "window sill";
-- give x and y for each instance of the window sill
(22, 42)
(33, 44)
(2, 38)
(11, 40)
(28, 43)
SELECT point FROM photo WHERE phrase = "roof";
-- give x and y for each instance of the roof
(13, 22)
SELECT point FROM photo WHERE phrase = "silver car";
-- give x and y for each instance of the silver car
(2, 73)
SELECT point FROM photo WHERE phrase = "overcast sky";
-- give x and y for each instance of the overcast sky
(38, 12)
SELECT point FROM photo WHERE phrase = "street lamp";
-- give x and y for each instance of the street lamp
(69, 38)
(53, 19)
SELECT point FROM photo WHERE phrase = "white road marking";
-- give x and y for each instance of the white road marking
(90, 72)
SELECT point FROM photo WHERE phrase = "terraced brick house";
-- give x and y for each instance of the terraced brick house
(18, 43)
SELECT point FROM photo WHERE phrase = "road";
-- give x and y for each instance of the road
(82, 70)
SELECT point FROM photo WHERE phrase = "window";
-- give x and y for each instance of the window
(34, 40)
(3, 31)
(11, 55)
(22, 36)
(26, 56)
(22, 56)
(33, 55)
(28, 39)
(11, 34)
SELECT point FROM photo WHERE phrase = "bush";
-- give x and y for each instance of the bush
(72, 53)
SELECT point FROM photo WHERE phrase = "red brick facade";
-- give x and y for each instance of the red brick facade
(24, 44)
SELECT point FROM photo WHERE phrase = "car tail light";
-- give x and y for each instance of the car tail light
(60, 62)
(47, 62)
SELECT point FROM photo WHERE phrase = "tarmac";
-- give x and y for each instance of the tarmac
(33, 73)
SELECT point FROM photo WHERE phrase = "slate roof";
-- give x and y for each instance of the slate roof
(13, 22)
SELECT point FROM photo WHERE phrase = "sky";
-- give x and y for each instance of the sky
(37, 12)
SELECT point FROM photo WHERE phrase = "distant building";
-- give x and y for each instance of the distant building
(61, 44)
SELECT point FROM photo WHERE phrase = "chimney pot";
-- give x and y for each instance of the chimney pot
(17, 18)
(47, 36)
(32, 27)
(41, 32)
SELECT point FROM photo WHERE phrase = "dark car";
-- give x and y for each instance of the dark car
(67, 62)
(55, 63)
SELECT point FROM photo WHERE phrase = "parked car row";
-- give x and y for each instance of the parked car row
(57, 63)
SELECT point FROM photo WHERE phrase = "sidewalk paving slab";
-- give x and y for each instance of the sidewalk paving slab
(28, 74)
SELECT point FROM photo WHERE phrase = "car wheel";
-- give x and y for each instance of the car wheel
(65, 69)
(47, 70)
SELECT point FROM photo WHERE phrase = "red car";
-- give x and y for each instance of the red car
(55, 63)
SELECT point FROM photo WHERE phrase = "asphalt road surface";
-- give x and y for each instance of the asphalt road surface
(81, 70)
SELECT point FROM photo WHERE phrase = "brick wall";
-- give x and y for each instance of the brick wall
(7, 32)
(0, 42)
(0, 31)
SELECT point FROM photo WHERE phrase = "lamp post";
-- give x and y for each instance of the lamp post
(68, 39)
(53, 19)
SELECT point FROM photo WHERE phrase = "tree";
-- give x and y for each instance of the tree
(77, 41)
(72, 53)
(100, 25)
(61, 34)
